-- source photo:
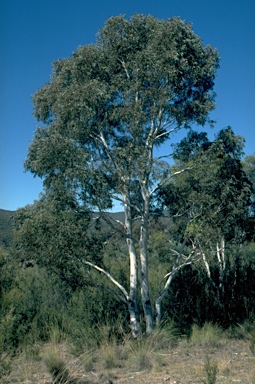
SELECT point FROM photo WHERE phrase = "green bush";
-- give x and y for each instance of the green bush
(31, 302)
(209, 336)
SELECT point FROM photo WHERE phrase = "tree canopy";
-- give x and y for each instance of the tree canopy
(103, 113)
(109, 104)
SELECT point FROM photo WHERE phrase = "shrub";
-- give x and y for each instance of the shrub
(32, 303)
(210, 335)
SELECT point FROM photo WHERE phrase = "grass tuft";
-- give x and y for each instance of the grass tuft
(209, 336)
(108, 356)
(144, 352)
(210, 370)
(56, 365)
(249, 335)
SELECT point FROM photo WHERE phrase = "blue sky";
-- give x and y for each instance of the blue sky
(33, 34)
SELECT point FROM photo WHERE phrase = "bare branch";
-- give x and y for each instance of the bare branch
(166, 133)
(165, 156)
(105, 288)
(108, 275)
(125, 68)
(170, 276)
(163, 182)
(123, 202)
(110, 220)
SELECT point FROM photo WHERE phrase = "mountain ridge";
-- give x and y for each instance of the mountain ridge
(7, 224)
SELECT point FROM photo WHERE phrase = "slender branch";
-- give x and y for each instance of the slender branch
(166, 133)
(165, 124)
(170, 276)
(108, 275)
(125, 68)
(123, 202)
(176, 266)
(101, 138)
(163, 182)
(150, 134)
(206, 264)
(105, 288)
(165, 156)
(110, 220)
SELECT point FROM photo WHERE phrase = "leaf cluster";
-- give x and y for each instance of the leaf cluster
(56, 235)
(213, 197)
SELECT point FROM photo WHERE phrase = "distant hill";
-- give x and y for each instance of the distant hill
(7, 223)
(6, 227)
(120, 216)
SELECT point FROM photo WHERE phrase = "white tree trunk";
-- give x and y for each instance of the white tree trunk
(145, 290)
(222, 263)
(161, 297)
(133, 279)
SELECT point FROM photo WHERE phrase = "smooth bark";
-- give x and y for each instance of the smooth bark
(133, 278)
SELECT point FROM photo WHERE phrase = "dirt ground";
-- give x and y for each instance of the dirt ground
(182, 364)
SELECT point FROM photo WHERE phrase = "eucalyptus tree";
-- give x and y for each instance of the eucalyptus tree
(103, 113)
(211, 203)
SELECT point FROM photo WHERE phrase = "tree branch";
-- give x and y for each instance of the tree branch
(166, 133)
(170, 276)
(109, 220)
(108, 275)
(163, 182)
(105, 288)
(125, 68)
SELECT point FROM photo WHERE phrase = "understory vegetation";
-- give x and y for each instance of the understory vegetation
(166, 287)
(63, 321)
(72, 334)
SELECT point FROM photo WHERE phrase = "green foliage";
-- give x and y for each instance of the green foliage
(5, 366)
(94, 317)
(211, 205)
(36, 305)
(55, 235)
(159, 244)
(6, 227)
(98, 142)
(7, 322)
(102, 114)
(44, 307)
(249, 167)
(192, 299)
(213, 197)
(31, 300)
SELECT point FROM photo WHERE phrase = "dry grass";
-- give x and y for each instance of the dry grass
(138, 363)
